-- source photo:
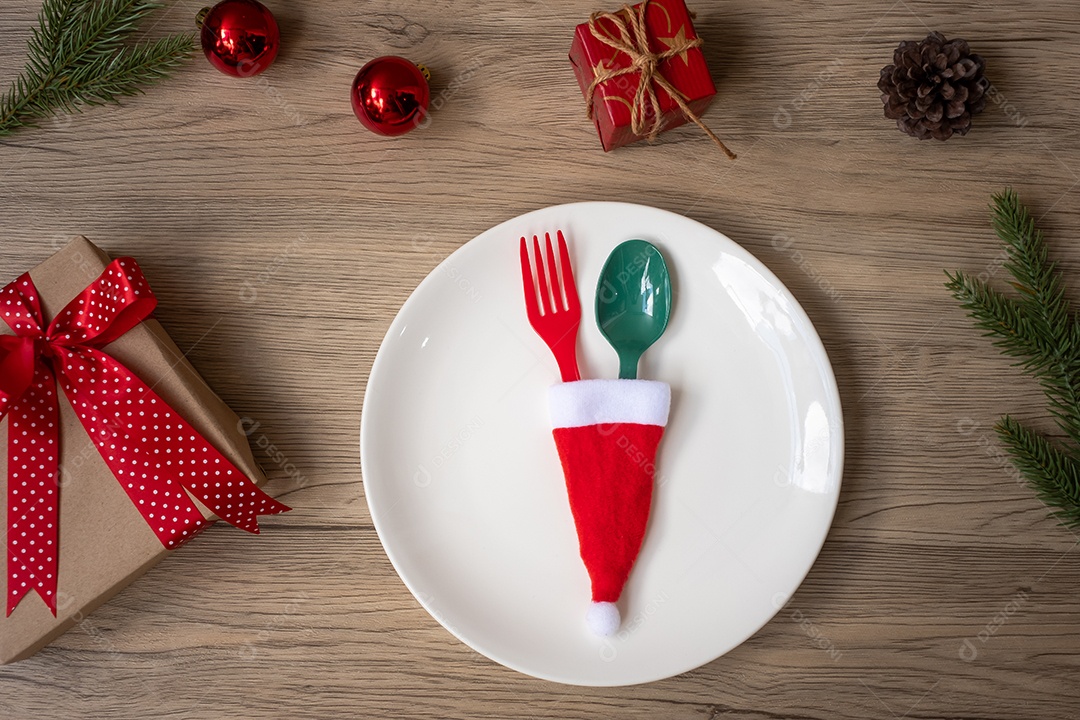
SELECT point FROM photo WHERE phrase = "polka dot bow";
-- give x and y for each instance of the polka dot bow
(158, 458)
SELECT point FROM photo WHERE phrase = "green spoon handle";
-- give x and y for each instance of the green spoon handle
(628, 365)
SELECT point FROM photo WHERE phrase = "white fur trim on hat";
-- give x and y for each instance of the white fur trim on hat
(608, 402)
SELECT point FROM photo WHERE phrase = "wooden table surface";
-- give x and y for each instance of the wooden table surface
(282, 238)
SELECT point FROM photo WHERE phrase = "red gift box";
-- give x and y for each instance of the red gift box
(639, 65)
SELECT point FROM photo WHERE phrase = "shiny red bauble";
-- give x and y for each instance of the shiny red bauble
(390, 95)
(239, 37)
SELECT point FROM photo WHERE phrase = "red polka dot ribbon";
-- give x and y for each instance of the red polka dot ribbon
(158, 458)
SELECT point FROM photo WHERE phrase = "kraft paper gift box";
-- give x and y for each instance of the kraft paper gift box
(104, 543)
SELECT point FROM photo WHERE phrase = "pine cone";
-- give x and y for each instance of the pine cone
(933, 87)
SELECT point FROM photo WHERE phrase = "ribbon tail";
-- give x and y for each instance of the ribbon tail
(33, 498)
(147, 479)
(237, 501)
(125, 424)
(156, 455)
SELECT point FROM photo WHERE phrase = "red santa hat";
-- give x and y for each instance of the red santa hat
(607, 433)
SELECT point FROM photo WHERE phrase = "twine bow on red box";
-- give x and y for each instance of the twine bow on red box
(156, 456)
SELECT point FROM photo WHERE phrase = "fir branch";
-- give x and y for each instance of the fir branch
(1019, 331)
(1002, 318)
(78, 54)
(1038, 328)
(1053, 473)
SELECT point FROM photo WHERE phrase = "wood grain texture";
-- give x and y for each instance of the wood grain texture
(282, 238)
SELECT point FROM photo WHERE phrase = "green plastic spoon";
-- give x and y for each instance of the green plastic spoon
(633, 301)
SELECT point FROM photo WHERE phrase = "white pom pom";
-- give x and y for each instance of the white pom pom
(603, 619)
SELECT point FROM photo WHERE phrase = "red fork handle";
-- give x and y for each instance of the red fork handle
(565, 352)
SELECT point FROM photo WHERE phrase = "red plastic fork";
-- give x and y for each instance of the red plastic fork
(551, 302)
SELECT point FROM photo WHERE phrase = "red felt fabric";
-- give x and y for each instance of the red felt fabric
(609, 473)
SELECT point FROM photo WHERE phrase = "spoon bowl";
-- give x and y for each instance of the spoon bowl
(633, 301)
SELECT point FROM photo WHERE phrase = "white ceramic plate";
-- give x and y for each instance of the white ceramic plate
(465, 487)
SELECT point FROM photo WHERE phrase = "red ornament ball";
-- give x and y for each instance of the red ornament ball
(239, 37)
(390, 95)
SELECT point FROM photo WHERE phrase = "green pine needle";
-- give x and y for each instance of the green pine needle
(1054, 474)
(1037, 327)
(79, 54)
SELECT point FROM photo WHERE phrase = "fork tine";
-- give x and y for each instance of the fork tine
(541, 277)
(569, 287)
(556, 286)
(527, 279)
